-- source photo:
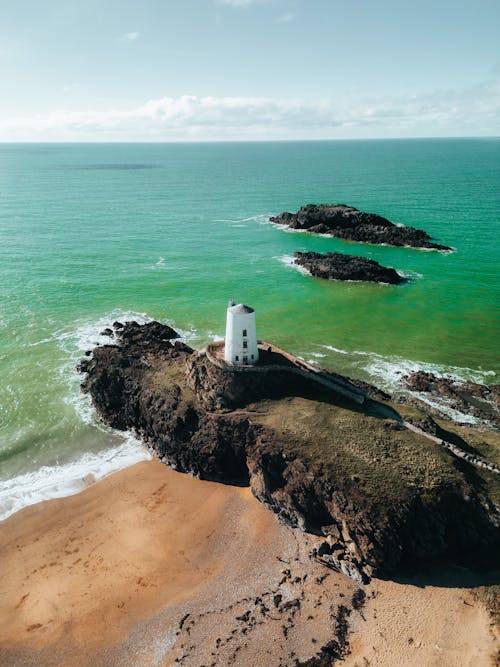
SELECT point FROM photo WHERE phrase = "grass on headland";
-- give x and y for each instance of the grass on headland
(373, 455)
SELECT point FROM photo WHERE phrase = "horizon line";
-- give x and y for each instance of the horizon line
(245, 141)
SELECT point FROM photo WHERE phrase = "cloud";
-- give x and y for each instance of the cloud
(130, 36)
(242, 3)
(469, 112)
(285, 18)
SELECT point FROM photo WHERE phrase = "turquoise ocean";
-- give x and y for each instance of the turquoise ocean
(92, 233)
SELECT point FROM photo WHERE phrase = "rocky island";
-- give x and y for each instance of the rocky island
(335, 458)
(338, 266)
(347, 222)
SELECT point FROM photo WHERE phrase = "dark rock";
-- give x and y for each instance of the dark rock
(219, 388)
(346, 222)
(336, 558)
(83, 366)
(358, 599)
(326, 657)
(244, 617)
(107, 332)
(370, 389)
(336, 649)
(183, 620)
(290, 605)
(482, 401)
(337, 266)
(157, 388)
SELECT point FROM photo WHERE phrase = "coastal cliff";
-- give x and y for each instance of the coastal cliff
(379, 493)
(347, 222)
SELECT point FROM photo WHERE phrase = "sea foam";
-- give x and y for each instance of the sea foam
(65, 480)
(289, 260)
(68, 478)
(387, 373)
(87, 335)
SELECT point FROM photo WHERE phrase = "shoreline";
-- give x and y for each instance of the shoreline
(151, 565)
(93, 574)
(383, 371)
(52, 482)
(61, 481)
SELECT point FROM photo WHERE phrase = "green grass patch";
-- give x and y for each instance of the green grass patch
(374, 455)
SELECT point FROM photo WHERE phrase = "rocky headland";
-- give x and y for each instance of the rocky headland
(347, 222)
(351, 472)
(337, 266)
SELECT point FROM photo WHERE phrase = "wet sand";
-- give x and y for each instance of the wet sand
(151, 567)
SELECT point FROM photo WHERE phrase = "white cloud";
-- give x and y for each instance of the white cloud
(242, 3)
(475, 111)
(285, 18)
(130, 36)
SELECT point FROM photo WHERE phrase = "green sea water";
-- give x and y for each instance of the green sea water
(90, 233)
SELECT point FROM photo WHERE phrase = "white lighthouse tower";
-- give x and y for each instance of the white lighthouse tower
(241, 335)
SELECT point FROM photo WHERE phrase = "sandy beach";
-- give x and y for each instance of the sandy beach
(152, 567)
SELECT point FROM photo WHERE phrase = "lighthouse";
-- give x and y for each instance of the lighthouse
(241, 335)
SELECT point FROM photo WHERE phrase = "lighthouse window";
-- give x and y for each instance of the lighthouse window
(244, 332)
(252, 356)
(236, 358)
(245, 344)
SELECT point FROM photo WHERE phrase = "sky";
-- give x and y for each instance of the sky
(201, 70)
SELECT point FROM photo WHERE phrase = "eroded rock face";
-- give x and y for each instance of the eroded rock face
(218, 389)
(337, 266)
(347, 222)
(183, 408)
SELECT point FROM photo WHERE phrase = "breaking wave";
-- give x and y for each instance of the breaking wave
(65, 480)
(289, 260)
(387, 372)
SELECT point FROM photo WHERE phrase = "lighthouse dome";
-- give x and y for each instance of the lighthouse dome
(241, 309)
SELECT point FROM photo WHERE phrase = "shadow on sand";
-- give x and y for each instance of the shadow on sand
(446, 574)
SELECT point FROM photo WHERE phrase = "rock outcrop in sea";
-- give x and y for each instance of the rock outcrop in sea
(378, 493)
(338, 266)
(347, 222)
(481, 401)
